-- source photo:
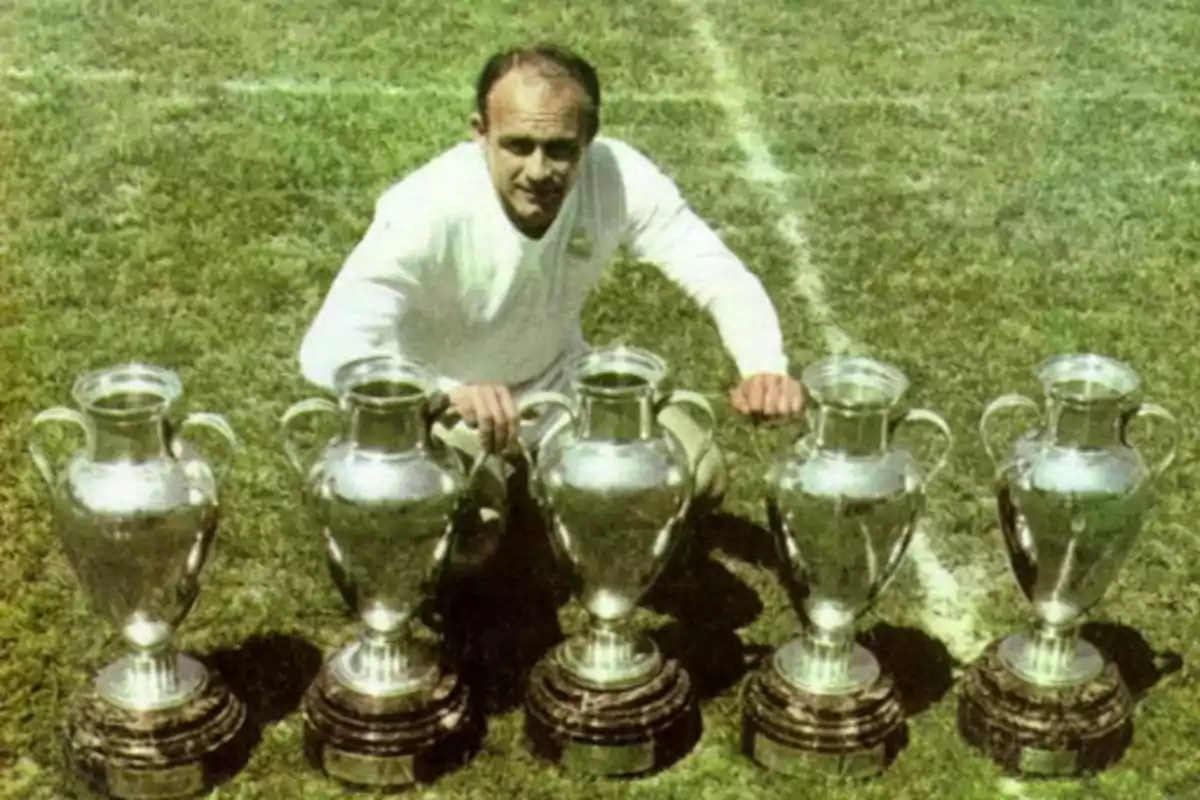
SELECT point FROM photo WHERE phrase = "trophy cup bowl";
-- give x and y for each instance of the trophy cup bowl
(615, 488)
(136, 511)
(844, 502)
(388, 710)
(1072, 496)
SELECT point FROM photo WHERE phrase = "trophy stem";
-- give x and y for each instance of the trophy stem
(608, 646)
(383, 663)
(827, 661)
(149, 680)
(1055, 655)
(608, 655)
(1053, 649)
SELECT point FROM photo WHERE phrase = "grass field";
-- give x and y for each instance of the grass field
(961, 188)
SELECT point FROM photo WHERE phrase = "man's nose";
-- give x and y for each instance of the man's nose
(538, 166)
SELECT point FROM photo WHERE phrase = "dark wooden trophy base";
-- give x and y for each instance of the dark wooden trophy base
(156, 755)
(1036, 732)
(610, 733)
(388, 744)
(791, 731)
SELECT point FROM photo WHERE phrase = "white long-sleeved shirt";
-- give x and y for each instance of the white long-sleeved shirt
(442, 275)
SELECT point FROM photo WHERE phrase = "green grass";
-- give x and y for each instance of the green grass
(983, 184)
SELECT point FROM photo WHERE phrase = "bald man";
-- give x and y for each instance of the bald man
(479, 262)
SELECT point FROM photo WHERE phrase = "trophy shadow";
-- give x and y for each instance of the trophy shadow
(707, 604)
(920, 664)
(1142, 667)
(270, 674)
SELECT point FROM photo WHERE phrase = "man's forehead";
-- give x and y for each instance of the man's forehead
(523, 93)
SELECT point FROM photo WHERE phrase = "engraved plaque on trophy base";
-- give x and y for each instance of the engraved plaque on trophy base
(179, 752)
(612, 733)
(372, 743)
(788, 730)
(1044, 732)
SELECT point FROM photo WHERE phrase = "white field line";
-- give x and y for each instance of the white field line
(761, 169)
(950, 610)
(435, 90)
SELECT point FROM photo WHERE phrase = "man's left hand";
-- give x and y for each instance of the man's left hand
(768, 395)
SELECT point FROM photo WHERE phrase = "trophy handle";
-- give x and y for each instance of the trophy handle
(682, 397)
(204, 419)
(999, 404)
(33, 443)
(529, 403)
(936, 420)
(288, 421)
(1157, 411)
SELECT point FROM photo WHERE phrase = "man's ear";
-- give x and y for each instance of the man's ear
(478, 127)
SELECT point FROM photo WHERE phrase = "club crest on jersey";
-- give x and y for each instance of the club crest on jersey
(579, 245)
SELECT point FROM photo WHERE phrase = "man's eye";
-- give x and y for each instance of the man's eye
(561, 151)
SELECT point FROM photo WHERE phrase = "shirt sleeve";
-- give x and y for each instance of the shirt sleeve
(661, 228)
(376, 286)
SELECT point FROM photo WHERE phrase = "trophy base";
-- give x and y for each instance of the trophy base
(620, 732)
(169, 753)
(388, 743)
(1044, 732)
(791, 731)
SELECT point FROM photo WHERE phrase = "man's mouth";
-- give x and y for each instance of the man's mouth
(544, 196)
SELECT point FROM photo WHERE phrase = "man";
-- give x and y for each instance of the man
(478, 264)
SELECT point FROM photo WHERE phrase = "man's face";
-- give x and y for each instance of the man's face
(534, 139)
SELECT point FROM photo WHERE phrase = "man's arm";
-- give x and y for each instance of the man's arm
(661, 228)
(372, 292)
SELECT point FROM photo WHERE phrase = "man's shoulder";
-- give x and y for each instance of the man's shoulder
(619, 160)
(611, 151)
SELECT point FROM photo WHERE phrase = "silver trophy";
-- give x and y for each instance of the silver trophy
(843, 503)
(1072, 494)
(387, 710)
(136, 511)
(616, 489)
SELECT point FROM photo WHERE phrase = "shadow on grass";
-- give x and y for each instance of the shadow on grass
(498, 621)
(920, 664)
(270, 674)
(740, 538)
(1141, 666)
(708, 604)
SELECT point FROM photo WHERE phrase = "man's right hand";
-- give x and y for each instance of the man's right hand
(489, 407)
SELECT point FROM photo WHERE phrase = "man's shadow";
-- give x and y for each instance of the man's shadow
(499, 620)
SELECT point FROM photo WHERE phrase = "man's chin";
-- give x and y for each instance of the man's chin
(539, 217)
